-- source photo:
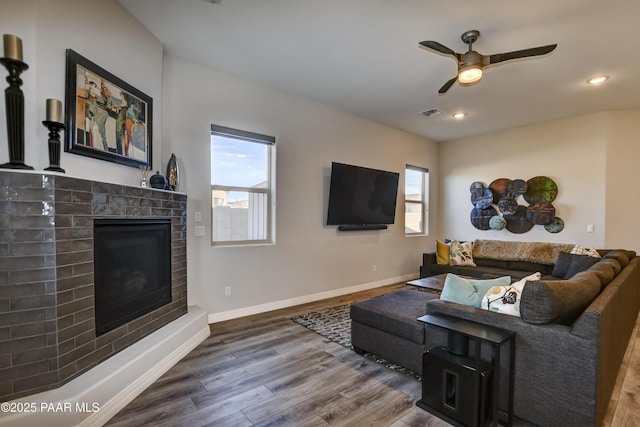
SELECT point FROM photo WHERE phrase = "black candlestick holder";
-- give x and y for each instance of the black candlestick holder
(14, 101)
(54, 145)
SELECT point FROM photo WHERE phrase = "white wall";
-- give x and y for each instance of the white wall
(103, 32)
(623, 174)
(591, 158)
(308, 257)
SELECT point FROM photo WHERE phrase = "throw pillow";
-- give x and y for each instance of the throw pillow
(559, 301)
(579, 250)
(580, 263)
(562, 264)
(442, 252)
(469, 291)
(506, 299)
(460, 254)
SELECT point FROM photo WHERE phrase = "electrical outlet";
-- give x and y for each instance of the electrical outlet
(590, 228)
(227, 291)
(197, 216)
(375, 268)
(199, 230)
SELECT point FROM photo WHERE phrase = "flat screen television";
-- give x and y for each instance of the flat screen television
(360, 196)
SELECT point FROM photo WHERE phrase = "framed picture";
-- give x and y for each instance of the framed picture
(106, 118)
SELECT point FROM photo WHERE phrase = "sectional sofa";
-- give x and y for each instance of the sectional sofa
(571, 336)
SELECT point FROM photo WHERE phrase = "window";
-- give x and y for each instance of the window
(416, 195)
(241, 186)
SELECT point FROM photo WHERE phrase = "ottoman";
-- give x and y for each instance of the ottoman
(387, 327)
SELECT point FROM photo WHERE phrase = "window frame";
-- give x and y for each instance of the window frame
(268, 190)
(423, 202)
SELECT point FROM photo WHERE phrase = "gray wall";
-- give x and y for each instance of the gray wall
(308, 258)
(591, 158)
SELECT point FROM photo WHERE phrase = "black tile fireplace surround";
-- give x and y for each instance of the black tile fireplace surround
(47, 287)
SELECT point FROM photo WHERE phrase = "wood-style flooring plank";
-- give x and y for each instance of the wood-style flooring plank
(225, 407)
(266, 370)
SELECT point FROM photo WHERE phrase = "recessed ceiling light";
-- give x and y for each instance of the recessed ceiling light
(459, 115)
(597, 80)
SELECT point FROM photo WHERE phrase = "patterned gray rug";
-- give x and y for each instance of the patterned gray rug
(334, 324)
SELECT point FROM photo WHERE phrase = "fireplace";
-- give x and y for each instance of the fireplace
(49, 333)
(132, 269)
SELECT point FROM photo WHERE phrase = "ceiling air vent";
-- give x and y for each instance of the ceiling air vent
(433, 112)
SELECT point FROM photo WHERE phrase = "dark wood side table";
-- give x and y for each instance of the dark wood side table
(459, 331)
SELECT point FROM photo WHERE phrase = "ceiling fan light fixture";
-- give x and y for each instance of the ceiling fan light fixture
(597, 80)
(470, 73)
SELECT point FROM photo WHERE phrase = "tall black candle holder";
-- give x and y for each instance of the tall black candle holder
(14, 101)
(54, 145)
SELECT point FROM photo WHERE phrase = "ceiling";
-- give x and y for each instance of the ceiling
(363, 57)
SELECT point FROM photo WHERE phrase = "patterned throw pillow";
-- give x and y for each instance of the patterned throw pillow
(460, 254)
(579, 250)
(506, 299)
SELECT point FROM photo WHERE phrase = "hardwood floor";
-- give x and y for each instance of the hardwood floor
(266, 370)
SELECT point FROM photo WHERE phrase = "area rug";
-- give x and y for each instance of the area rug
(334, 324)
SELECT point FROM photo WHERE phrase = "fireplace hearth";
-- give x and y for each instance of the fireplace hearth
(49, 288)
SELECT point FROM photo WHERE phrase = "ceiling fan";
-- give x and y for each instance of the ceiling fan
(471, 63)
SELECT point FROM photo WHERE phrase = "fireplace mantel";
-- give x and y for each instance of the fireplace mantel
(47, 325)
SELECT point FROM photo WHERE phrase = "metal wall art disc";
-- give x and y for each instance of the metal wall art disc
(517, 187)
(555, 226)
(500, 188)
(508, 205)
(484, 201)
(476, 189)
(541, 213)
(480, 217)
(497, 222)
(540, 188)
(518, 223)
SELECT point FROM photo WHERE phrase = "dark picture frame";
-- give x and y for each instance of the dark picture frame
(106, 118)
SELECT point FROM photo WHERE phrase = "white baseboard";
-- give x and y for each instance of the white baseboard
(114, 383)
(277, 305)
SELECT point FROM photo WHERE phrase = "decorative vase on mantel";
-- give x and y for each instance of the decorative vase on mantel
(173, 174)
(158, 181)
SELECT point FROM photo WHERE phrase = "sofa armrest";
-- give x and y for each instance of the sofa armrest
(428, 259)
(611, 318)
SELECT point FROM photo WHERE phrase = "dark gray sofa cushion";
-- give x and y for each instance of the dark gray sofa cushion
(560, 301)
(619, 256)
(532, 267)
(613, 264)
(580, 263)
(604, 271)
(395, 313)
(479, 271)
(490, 262)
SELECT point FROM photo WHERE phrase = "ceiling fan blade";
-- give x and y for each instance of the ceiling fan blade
(535, 51)
(438, 47)
(447, 85)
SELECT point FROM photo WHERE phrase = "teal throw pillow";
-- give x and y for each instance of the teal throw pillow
(469, 291)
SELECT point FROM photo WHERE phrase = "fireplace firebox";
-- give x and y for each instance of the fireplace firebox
(132, 269)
